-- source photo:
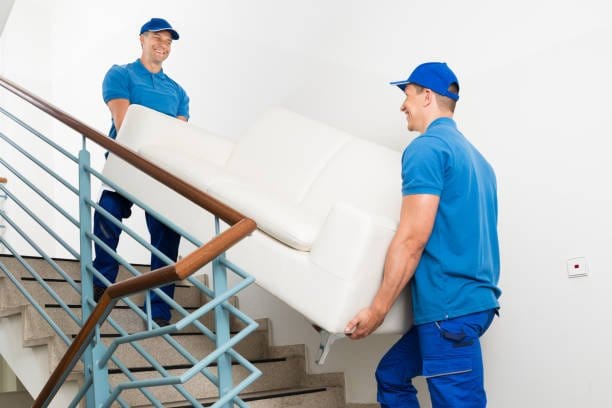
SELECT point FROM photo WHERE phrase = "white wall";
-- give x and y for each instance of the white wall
(535, 98)
(5, 9)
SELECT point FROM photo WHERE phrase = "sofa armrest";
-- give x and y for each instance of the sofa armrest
(352, 246)
(144, 127)
(352, 239)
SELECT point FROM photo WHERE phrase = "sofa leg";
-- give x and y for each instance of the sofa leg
(327, 339)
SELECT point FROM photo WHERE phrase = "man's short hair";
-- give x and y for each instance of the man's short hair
(443, 101)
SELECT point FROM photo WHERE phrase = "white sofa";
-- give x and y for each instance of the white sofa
(326, 204)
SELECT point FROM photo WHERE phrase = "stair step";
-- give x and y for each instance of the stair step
(184, 294)
(149, 369)
(16, 399)
(282, 369)
(253, 347)
(332, 397)
(70, 266)
(304, 397)
(129, 320)
(277, 373)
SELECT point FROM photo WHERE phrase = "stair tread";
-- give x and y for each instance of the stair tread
(260, 395)
(62, 280)
(142, 369)
(285, 373)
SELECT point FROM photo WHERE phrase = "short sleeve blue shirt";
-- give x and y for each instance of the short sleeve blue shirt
(459, 269)
(153, 90)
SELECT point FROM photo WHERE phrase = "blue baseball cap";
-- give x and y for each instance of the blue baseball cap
(436, 76)
(159, 24)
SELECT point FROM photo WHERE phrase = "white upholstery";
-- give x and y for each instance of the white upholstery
(293, 148)
(362, 173)
(273, 214)
(167, 131)
(185, 164)
(326, 204)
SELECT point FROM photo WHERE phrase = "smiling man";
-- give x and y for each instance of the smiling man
(445, 248)
(142, 82)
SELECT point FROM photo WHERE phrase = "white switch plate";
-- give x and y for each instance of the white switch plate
(577, 267)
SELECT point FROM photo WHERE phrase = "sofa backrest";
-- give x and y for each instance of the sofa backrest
(363, 174)
(312, 165)
(289, 171)
(284, 153)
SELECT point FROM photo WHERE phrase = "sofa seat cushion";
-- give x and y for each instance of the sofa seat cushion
(284, 221)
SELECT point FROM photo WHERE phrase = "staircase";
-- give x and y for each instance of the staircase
(284, 382)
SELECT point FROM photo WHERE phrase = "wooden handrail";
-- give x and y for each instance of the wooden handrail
(240, 228)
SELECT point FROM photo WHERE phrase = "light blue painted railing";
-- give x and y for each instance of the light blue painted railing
(88, 345)
(2, 201)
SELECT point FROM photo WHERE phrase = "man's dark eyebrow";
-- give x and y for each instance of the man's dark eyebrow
(157, 34)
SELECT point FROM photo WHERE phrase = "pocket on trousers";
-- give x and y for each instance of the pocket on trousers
(448, 366)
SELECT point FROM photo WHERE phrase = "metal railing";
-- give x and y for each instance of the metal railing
(87, 345)
(3, 181)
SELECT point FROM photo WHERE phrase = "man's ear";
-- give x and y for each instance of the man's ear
(141, 38)
(429, 97)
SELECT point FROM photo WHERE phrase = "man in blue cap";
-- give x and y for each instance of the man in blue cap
(446, 247)
(141, 82)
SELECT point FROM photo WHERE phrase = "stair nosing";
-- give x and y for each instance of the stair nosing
(61, 280)
(261, 395)
(121, 307)
(188, 366)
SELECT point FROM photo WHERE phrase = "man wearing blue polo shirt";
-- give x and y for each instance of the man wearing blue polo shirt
(141, 82)
(446, 247)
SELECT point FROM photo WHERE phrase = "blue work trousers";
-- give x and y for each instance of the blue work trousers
(162, 237)
(447, 353)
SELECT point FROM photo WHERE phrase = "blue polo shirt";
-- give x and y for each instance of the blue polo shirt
(153, 90)
(459, 269)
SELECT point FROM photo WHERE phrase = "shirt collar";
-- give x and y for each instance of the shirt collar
(443, 121)
(143, 70)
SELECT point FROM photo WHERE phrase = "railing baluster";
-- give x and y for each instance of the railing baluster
(99, 375)
(2, 202)
(222, 325)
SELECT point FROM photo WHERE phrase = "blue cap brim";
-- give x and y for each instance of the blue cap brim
(173, 33)
(400, 84)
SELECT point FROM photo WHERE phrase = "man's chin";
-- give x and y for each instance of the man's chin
(160, 57)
